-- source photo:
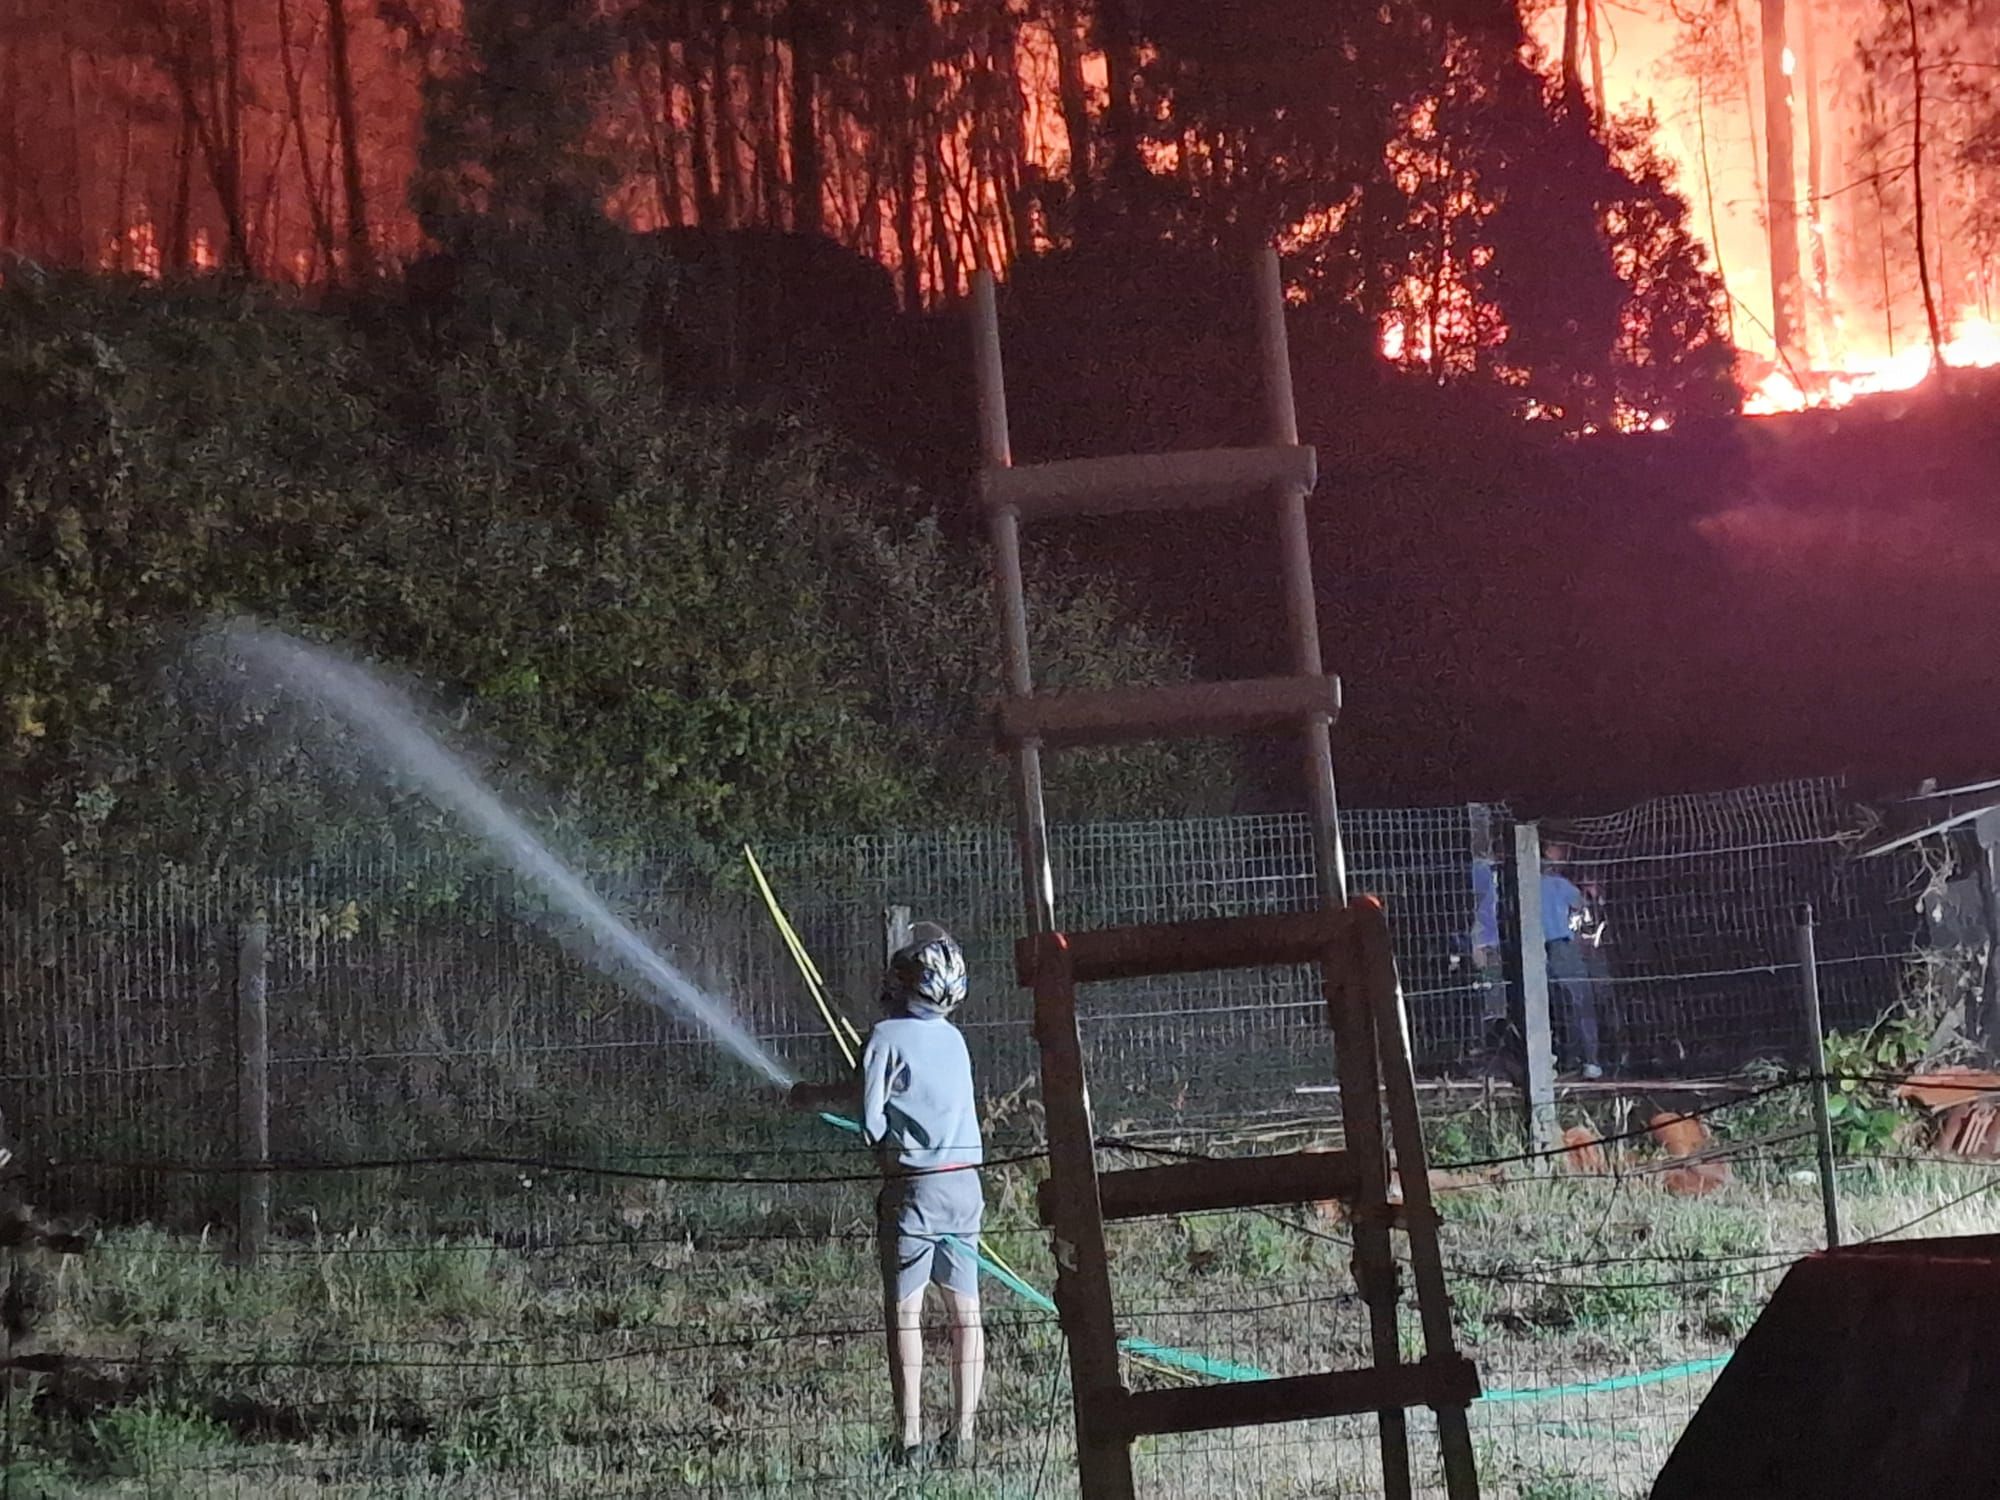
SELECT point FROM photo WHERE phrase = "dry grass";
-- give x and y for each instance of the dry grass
(485, 1334)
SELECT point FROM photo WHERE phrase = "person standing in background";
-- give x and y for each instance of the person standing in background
(1570, 926)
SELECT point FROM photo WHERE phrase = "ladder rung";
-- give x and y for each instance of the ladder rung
(1230, 1182)
(1147, 481)
(1187, 709)
(1442, 1382)
(1264, 941)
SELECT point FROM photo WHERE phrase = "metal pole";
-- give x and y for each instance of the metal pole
(253, 1092)
(1815, 1054)
(1538, 1038)
(996, 452)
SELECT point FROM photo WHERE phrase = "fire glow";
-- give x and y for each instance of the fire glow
(1973, 343)
(1853, 322)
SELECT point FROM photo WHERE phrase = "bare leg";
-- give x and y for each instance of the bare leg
(906, 1365)
(968, 1358)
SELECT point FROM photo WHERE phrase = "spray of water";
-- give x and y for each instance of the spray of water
(389, 725)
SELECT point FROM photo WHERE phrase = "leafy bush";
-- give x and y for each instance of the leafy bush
(1861, 1093)
(1861, 1069)
(699, 621)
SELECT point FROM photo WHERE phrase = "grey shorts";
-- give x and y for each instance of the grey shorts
(927, 1230)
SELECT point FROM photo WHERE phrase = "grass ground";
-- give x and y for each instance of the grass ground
(458, 1332)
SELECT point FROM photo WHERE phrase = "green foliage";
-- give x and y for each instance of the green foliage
(1556, 1485)
(1861, 1092)
(1861, 1069)
(700, 622)
(34, 1476)
(148, 1438)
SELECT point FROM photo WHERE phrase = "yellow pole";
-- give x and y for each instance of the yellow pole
(848, 1040)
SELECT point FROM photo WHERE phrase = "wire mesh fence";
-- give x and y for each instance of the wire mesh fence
(1692, 909)
(412, 996)
(621, 1270)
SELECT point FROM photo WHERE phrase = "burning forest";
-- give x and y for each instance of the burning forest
(1589, 203)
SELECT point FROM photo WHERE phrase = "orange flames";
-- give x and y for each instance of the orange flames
(1864, 328)
(1973, 343)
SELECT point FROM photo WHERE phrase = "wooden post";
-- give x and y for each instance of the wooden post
(1354, 1050)
(1815, 1060)
(1083, 1262)
(253, 1088)
(895, 931)
(1004, 526)
(1281, 426)
(1544, 1128)
(1383, 991)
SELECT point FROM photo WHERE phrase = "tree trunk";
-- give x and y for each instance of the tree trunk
(121, 205)
(908, 266)
(1917, 185)
(1878, 190)
(1714, 222)
(177, 226)
(1572, 61)
(1014, 145)
(707, 206)
(1815, 172)
(229, 167)
(360, 248)
(10, 143)
(1745, 75)
(1600, 107)
(1126, 171)
(73, 188)
(224, 170)
(295, 101)
(1781, 188)
(943, 251)
(765, 187)
(659, 124)
(722, 105)
(808, 217)
(1075, 108)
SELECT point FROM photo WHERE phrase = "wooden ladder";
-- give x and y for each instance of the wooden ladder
(1349, 942)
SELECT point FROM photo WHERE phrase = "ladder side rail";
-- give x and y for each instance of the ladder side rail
(1353, 1039)
(1010, 597)
(1375, 1273)
(1392, 1030)
(1301, 604)
(1083, 1262)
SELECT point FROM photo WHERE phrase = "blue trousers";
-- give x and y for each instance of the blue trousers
(1575, 988)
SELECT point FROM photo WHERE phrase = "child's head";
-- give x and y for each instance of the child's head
(926, 976)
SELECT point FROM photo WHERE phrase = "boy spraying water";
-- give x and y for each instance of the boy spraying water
(918, 1113)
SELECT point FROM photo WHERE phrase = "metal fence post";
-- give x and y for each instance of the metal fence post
(1815, 1057)
(253, 1088)
(1544, 1127)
